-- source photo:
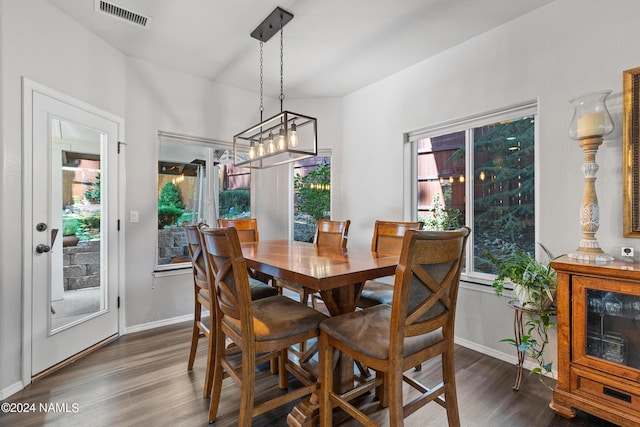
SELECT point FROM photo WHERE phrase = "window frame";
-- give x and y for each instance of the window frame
(211, 145)
(467, 124)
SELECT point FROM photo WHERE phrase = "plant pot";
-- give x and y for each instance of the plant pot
(530, 299)
(70, 240)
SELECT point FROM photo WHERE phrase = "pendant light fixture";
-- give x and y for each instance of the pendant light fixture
(285, 137)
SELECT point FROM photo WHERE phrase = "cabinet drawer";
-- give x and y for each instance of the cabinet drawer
(605, 389)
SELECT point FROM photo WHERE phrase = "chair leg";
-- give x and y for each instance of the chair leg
(195, 335)
(283, 375)
(393, 388)
(218, 372)
(325, 357)
(212, 345)
(450, 395)
(304, 299)
(247, 388)
(381, 390)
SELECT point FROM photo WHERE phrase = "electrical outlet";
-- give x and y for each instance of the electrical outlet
(627, 252)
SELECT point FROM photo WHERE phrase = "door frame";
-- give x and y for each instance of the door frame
(29, 87)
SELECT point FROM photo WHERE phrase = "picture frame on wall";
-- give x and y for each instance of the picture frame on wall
(631, 151)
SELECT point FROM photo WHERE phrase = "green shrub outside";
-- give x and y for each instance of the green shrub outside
(234, 202)
(170, 196)
(168, 215)
(84, 225)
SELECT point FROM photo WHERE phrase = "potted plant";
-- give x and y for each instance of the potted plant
(534, 286)
(69, 236)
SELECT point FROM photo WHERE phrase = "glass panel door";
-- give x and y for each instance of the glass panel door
(75, 211)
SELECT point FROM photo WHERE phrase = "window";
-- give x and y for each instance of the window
(192, 172)
(479, 171)
(312, 195)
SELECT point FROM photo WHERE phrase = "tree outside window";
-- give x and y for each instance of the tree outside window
(312, 187)
(502, 210)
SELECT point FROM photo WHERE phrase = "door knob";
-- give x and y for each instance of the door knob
(41, 226)
(42, 248)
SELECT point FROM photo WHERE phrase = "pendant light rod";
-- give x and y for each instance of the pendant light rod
(272, 24)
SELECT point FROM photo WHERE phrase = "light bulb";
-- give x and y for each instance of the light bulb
(271, 145)
(293, 137)
(281, 140)
(260, 148)
(252, 151)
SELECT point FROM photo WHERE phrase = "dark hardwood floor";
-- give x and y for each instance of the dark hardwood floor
(141, 379)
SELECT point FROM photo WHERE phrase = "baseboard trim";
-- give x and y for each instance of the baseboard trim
(161, 323)
(12, 389)
(509, 358)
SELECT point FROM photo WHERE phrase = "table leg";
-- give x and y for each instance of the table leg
(338, 301)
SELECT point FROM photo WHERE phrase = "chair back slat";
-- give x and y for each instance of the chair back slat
(332, 233)
(247, 228)
(388, 235)
(426, 283)
(198, 262)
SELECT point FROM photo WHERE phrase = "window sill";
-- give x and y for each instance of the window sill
(174, 271)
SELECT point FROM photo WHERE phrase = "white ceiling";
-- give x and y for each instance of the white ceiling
(331, 47)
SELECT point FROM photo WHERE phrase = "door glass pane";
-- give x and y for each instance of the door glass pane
(77, 290)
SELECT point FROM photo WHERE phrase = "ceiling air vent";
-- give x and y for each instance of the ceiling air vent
(123, 13)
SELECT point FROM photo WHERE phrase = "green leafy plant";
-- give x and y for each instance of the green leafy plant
(170, 196)
(234, 202)
(69, 226)
(313, 192)
(89, 225)
(168, 215)
(170, 206)
(441, 218)
(93, 194)
(537, 281)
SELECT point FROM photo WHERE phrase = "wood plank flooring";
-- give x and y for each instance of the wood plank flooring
(141, 379)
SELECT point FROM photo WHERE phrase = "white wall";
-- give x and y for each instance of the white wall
(159, 98)
(50, 48)
(564, 49)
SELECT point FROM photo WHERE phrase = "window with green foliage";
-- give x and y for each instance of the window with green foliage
(480, 172)
(312, 188)
(194, 186)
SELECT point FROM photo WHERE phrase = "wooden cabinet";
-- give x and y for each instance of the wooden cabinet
(598, 340)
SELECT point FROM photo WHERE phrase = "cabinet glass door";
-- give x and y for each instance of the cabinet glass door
(613, 326)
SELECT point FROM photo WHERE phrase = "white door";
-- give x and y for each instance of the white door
(74, 286)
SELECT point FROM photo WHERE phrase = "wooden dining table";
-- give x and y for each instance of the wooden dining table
(338, 274)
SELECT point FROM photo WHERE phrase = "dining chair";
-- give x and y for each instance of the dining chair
(247, 228)
(247, 232)
(416, 327)
(266, 327)
(202, 297)
(328, 233)
(387, 238)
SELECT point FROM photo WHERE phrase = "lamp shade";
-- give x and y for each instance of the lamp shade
(590, 117)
